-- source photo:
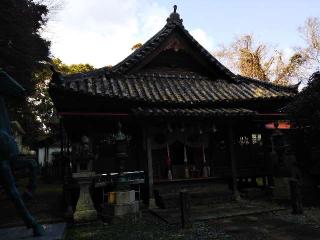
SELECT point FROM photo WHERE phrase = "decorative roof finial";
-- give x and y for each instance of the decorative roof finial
(174, 17)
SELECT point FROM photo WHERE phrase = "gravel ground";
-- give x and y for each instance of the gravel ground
(148, 228)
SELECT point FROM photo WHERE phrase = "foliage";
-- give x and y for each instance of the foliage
(42, 106)
(22, 52)
(22, 49)
(69, 69)
(306, 108)
(257, 60)
(136, 46)
(310, 32)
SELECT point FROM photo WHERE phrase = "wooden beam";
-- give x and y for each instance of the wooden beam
(93, 114)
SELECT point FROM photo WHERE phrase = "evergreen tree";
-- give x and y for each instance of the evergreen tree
(23, 51)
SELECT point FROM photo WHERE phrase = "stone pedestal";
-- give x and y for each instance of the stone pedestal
(85, 212)
(152, 203)
(121, 206)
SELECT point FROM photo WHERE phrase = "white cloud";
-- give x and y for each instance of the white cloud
(102, 32)
(203, 38)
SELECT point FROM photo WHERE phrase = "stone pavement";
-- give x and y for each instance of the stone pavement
(54, 232)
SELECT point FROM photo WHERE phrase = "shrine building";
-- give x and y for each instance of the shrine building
(189, 119)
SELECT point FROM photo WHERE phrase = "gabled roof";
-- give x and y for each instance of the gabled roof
(173, 87)
(174, 23)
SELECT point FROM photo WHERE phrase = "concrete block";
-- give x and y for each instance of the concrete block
(121, 209)
(125, 197)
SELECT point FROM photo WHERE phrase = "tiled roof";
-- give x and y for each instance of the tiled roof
(192, 112)
(175, 87)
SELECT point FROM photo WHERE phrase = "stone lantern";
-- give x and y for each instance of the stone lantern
(121, 202)
(121, 156)
(85, 210)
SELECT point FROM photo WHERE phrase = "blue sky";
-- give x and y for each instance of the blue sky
(101, 32)
(274, 21)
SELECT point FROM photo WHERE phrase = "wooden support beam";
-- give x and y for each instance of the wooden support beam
(149, 168)
(233, 161)
(61, 138)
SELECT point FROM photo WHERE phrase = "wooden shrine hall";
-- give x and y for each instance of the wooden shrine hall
(187, 117)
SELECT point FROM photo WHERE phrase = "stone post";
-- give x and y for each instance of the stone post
(185, 209)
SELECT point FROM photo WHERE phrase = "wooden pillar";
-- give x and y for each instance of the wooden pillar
(149, 168)
(61, 168)
(233, 161)
(67, 161)
(61, 138)
(296, 199)
(68, 146)
(211, 155)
